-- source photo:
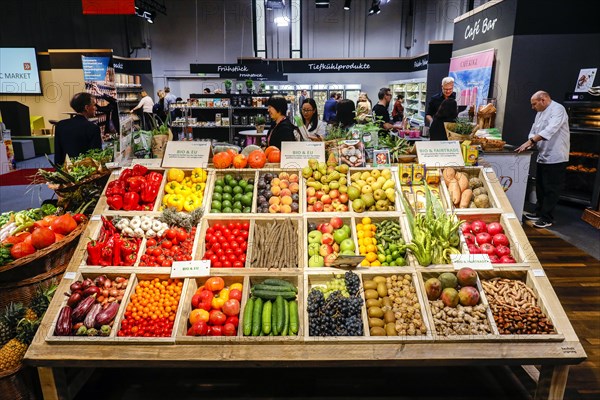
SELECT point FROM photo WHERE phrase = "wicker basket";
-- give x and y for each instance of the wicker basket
(42, 261)
(24, 291)
(449, 126)
(20, 383)
(101, 178)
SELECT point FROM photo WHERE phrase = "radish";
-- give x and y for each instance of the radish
(495, 228)
(478, 226)
(483, 237)
(500, 239)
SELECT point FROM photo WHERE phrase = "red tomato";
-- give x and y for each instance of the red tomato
(166, 244)
(227, 264)
(176, 249)
(216, 330)
(210, 230)
(229, 330)
(182, 235)
(246, 226)
(217, 317)
(216, 246)
(231, 307)
(160, 259)
(235, 294)
(238, 264)
(233, 320)
(217, 264)
(21, 250)
(166, 263)
(171, 233)
(157, 252)
(151, 242)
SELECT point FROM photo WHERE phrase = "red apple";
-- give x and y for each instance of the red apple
(334, 193)
(469, 238)
(478, 227)
(328, 208)
(311, 199)
(494, 228)
(502, 250)
(336, 248)
(310, 208)
(320, 194)
(507, 260)
(329, 259)
(344, 197)
(327, 238)
(325, 250)
(326, 199)
(318, 206)
(500, 239)
(343, 208)
(336, 222)
(311, 191)
(488, 249)
(494, 259)
(336, 203)
(325, 228)
(483, 237)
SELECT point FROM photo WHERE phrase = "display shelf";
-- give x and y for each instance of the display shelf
(552, 351)
(415, 94)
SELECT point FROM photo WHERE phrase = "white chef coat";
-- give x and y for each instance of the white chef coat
(553, 125)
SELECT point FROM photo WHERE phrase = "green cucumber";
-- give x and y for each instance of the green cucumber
(293, 317)
(279, 282)
(286, 318)
(257, 317)
(271, 288)
(280, 313)
(248, 317)
(270, 295)
(266, 317)
(274, 319)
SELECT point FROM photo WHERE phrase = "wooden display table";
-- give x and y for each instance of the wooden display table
(554, 352)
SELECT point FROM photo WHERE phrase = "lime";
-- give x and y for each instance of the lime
(400, 261)
(232, 183)
(218, 189)
(238, 197)
(228, 178)
(381, 257)
(243, 183)
(226, 203)
(238, 189)
(219, 182)
(217, 196)
(214, 211)
(227, 196)
(226, 210)
(249, 189)
(227, 189)
(236, 211)
(215, 205)
(238, 205)
(247, 210)
(247, 199)
(387, 258)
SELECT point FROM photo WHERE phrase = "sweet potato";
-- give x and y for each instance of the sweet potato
(448, 174)
(454, 190)
(463, 181)
(465, 198)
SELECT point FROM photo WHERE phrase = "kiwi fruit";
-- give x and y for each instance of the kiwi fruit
(379, 279)
(374, 303)
(375, 312)
(376, 322)
(377, 331)
(371, 294)
(370, 285)
(382, 289)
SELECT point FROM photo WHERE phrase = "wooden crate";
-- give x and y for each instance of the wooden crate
(325, 218)
(306, 191)
(527, 277)
(493, 335)
(148, 340)
(52, 338)
(144, 244)
(183, 323)
(380, 218)
(397, 203)
(264, 220)
(211, 220)
(102, 207)
(418, 198)
(294, 279)
(188, 173)
(521, 253)
(320, 278)
(220, 174)
(474, 172)
(300, 192)
(422, 300)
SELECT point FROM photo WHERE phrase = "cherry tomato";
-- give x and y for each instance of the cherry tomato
(157, 251)
(166, 244)
(225, 245)
(243, 258)
(238, 264)
(223, 258)
(238, 251)
(160, 259)
(246, 226)
(182, 235)
(166, 263)
(214, 259)
(227, 264)
(171, 233)
(210, 230)
(217, 264)
(232, 257)
(216, 246)
(151, 242)
(240, 239)
(176, 249)
(238, 225)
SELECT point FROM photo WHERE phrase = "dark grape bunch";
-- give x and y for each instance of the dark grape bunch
(338, 314)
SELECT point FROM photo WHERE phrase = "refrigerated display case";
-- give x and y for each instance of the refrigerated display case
(583, 181)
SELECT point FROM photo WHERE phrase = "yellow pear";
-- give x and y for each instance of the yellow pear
(370, 180)
(343, 180)
(388, 184)
(361, 183)
(376, 185)
(375, 173)
(366, 189)
(390, 193)
(355, 177)
(365, 175)
(386, 173)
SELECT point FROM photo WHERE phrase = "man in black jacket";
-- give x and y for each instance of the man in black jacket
(77, 135)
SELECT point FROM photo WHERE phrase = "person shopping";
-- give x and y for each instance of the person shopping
(329, 109)
(363, 108)
(77, 135)
(282, 130)
(312, 128)
(550, 134)
(447, 112)
(145, 106)
(398, 110)
(380, 110)
(437, 99)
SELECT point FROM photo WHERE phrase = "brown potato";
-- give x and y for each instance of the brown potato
(374, 303)
(377, 331)
(370, 285)
(376, 322)
(375, 312)
(382, 289)
(371, 294)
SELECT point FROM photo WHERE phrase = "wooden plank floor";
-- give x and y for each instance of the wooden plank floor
(575, 277)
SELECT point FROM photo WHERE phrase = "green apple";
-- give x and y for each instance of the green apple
(315, 237)
(358, 205)
(346, 228)
(347, 244)
(340, 235)
(316, 261)
(348, 253)
(313, 249)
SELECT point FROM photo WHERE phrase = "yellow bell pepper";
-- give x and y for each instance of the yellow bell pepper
(191, 203)
(199, 175)
(199, 187)
(187, 181)
(176, 201)
(217, 302)
(171, 187)
(175, 174)
(183, 190)
(165, 199)
(237, 286)
(224, 294)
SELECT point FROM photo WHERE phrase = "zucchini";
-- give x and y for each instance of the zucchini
(280, 313)
(279, 282)
(248, 317)
(266, 317)
(257, 317)
(293, 317)
(271, 288)
(270, 295)
(274, 316)
(286, 319)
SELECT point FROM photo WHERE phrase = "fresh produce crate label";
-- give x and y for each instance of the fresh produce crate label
(488, 170)
(69, 275)
(95, 218)
(539, 272)
(186, 154)
(190, 269)
(510, 215)
(147, 162)
(381, 158)
(297, 154)
(474, 261)
(440, 154)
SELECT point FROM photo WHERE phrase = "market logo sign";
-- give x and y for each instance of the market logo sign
(491, 23)
(355, 66)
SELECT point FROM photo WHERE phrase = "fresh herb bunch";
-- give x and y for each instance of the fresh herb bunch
(463, 126)
(398, 146)
(336, 132)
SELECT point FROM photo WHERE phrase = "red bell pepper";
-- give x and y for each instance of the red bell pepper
(115, 202)
(131, 201)
(94, 250)
(154, 176)
(139, 170)
(115, 187)
(150, 192)
(117, 249)
(128, 247)
(106, 253)
(126, 174)
(136, 184)
(129, 260)
(206, 297)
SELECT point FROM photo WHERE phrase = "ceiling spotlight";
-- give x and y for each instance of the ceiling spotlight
(375, 7)
(281, 21)
(322, 3)
(347, 5)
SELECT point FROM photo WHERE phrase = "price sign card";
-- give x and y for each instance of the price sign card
(474, 261)
(186, 154)
(297, 154)
(440, 154)
(347, 262)
(147, 162)
(381, 158)
(190, 269)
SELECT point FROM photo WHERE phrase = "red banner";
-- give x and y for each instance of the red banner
(108, 7)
